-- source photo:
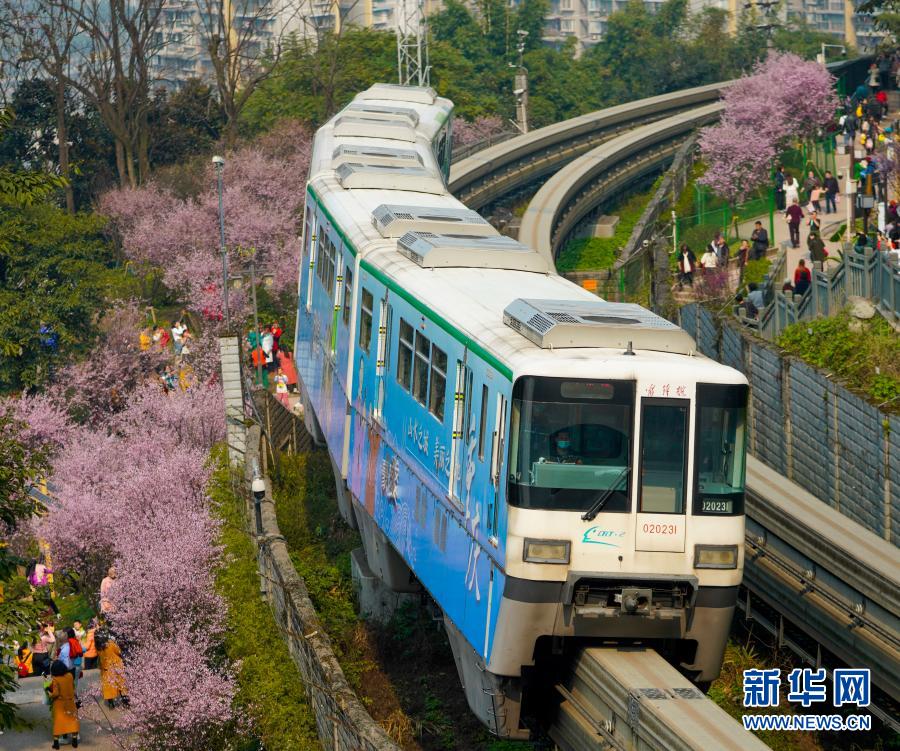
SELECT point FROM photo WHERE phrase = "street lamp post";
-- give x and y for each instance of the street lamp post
(219, 163)
(237, 282)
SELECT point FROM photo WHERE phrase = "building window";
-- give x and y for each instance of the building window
(567, 25)
(348, 294)
(438, 387)
(405, 354)
(365, 319)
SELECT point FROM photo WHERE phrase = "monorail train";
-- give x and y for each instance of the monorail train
(554, 469)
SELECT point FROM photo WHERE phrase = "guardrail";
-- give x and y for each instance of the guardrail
(869, 273)
(466, 150)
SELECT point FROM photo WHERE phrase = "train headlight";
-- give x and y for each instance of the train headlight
(715, 556)
(546, 551)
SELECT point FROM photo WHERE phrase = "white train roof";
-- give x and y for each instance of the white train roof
(496, 293)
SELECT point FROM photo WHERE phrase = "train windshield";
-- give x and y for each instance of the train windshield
(570, 443)
(721, 449)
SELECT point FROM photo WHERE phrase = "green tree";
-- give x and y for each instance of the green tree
(31, 140)
(20, 186)
(55, 271)
(184, 124)
(20, 467)
(312, 81)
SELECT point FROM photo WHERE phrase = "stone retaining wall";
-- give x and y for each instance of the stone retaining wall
(812, 430)
(343, 723)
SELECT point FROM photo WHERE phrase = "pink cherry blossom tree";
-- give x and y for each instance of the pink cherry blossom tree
(785, 99)
(264, 188)
(467, 132)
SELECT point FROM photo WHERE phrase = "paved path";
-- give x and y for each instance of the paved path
(96, 731)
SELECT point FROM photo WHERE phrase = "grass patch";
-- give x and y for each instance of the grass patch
(270, 689)
(727, 691)
(864, 354)
(75, 607)
(594, 253)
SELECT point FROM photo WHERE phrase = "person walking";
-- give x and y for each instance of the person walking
(811, 182)
(112, 670)
(687, 264)
(802, 278)
(791, 190)
(281, 388)
(817, 252)
(794, 215)
(760, 238)
(62, 701)
(831, 190)
(814, 223)
(779, 188)
(90, 646)
(709, 261)
(76, 655)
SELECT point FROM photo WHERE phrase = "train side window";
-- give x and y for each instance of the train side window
(348, 294)
(320, 256)
(405, 354)
(438, 387)
(420, 369)
(365, 319)
(330, 256)
(482, 423)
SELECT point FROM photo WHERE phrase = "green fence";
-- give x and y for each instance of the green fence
(713, 214)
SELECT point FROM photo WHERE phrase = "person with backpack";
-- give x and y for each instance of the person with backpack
(25, 661)
(76, 655)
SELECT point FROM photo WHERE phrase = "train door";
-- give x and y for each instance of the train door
(662, 475)
(463, 445)
(498, 447)
(381, 356)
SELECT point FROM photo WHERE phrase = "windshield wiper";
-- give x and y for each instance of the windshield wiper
(598, 505)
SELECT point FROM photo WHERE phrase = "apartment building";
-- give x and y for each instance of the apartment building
(586, 20)
(254, 25)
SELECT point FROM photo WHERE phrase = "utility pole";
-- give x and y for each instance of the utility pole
(520, 87)
(413, 64)
(219, 164)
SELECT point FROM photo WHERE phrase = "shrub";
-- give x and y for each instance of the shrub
(270, 689)
(865, 354)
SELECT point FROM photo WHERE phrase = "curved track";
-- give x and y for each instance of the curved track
(509, 166)
(567, 197)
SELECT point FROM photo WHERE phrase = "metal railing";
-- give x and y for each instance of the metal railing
(868, 273)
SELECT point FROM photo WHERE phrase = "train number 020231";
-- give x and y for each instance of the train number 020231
(660, 529)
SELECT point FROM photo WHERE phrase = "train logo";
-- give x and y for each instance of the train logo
(599, 536)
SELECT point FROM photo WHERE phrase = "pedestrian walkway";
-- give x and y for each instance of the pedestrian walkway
(831, 223)
(96, 718)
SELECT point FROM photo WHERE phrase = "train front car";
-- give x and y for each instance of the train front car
(625, 498)
(556, 471)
